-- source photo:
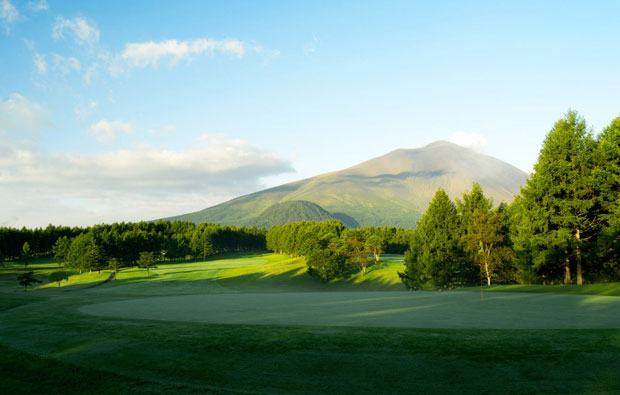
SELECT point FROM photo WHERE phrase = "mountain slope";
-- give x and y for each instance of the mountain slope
(393, 189)
(291, 211)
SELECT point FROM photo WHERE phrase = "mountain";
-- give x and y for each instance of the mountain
(393, 189)
(291, 211)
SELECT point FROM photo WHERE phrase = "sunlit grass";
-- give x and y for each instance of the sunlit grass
(48, 346)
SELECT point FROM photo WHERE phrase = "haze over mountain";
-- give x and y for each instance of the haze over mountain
(393, 189)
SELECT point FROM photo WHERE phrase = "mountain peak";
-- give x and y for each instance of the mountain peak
(392, 189)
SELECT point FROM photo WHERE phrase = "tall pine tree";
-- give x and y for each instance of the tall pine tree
(607, 176)
(560, 200)
(435, 259)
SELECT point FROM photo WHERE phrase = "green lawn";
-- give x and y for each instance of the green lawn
(51, 343)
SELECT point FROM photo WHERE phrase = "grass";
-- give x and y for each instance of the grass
(603, 289)
(47, 345)
(376, 309)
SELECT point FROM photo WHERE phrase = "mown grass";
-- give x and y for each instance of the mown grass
(48, 346)
(602, 289)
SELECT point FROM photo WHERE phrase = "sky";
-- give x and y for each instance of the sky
(127, 111)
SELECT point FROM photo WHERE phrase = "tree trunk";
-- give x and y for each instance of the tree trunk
(486, 268)
(147, 271)
(567, 272)
(578, 258)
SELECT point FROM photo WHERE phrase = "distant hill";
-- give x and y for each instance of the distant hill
(393, 189)
(292, 211)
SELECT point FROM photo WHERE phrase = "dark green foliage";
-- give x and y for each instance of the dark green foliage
(61, 249)
(560, 205)
(58, 277)
(436, 257)
(325, 264)
(147, 261)
(40, 240)
(27, 279)
(115, 264)
(292, 211)
(92, 258)
(607, 177)
(26, 256)
(484, 235)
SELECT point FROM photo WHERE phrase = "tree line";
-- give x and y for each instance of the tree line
(128, 244)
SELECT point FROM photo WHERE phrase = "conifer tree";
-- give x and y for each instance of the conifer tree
(560, 201)
(26, 256)
(435, 259)
(607, 178)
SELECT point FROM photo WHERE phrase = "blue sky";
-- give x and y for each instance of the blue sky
(114, 111)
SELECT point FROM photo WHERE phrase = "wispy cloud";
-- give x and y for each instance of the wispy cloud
(472, 141)
(83, 111)
(64, 65)
(38, 6)
(8, 13)
(78, 28)
(151, 53)
(106, 132)
(40, 64)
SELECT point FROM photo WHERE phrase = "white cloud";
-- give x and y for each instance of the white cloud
(106, 132)
(39, 62)
(64, 65)
(472, 141)
(8, 12)
(83, 111)
(127, 185)
(81, 31)
(41, 5)
(19, 115)
(150, 53)
(91, 72)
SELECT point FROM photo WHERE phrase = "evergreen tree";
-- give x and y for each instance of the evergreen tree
(607, 177)
(61, 249)
(93, 258)
(147, 261)
(435, 259)
(27, 255)
(560, 202)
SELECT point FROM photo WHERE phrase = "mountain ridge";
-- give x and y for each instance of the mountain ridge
(391, 189)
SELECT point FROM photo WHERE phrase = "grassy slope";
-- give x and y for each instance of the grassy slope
(291, 211)
(99, 355)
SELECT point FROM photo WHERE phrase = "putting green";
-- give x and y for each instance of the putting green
(376, 309)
